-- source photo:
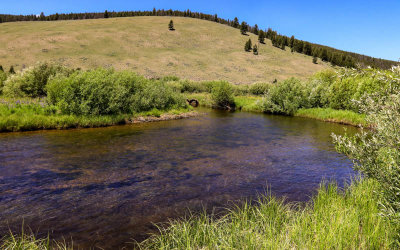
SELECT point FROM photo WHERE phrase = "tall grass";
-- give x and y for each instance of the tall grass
(332, 115)
(334, 219)
(28, 241)
(33, 116)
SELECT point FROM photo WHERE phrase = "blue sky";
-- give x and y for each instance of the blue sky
(366, 27)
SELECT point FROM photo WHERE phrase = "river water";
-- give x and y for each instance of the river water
(106, 187)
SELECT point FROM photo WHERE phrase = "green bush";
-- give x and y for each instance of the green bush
(169, 78)
(342, 93)
(175, 85)
(285, 98)
(193, 87)
(259, 88)
(240, 89)
(3, 78)
(156, 95)
(103, 92)
(32, 81)
(318, 88)
(222, 95)
(376, 152)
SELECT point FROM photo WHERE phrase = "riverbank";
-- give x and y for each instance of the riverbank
(253, 104)
(34, 116)
(334, 219)
(346, 117)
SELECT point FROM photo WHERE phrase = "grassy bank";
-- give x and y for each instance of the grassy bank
(253, 104)
(50, 96)
(28, 117)
(28, 241)
(333, 220)
(347, 117)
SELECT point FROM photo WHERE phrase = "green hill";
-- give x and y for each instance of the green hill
(197, 49)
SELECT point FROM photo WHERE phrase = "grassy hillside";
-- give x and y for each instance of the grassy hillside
(197, 49)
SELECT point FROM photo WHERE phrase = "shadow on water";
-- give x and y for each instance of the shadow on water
(106, 186)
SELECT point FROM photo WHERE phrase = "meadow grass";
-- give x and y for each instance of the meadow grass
(244, 103)
(196, 50)
(333, 219)
(34, 116)
(28, 241)
(333, 115)
(252, 104)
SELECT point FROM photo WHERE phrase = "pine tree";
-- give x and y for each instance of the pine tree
(324, 55)
(274, 41)
(307, 48)
(269, 34)
(314, 60)
(261, 36)
(247, 46)
(243, 28)
(255, 29)
(171, 25)
(236, 22)
(283, 46)
(106, 14)
(11, 71)
(291, 42)
(298, 46)
(255, 50)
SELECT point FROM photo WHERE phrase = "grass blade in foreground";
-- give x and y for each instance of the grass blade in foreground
(333, 220)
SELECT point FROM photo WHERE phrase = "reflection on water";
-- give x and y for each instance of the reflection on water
(106, 186)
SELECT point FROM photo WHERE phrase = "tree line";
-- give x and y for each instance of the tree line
(325, 53)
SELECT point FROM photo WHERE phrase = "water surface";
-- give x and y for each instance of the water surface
(106, 186)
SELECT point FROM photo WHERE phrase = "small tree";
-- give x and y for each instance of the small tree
(106, 14)
(283, 46)
(291, 42)
(255, 50)
(255, 29)
(261, 36)
(314, 60)
(171, 25)
(1, 68)
(324, 55)
(243, 28)
(11, 71)
(222, 96)
(42, 17)
(236, 22)
(247, 46)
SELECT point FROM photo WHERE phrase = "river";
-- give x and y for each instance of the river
(105, 187)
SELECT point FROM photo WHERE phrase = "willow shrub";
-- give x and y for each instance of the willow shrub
(376, 152)
(351, 85)
(107, 92)
(259, 88)
(222, 95)
(32, 82)
(285, 97)
(318, 88)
